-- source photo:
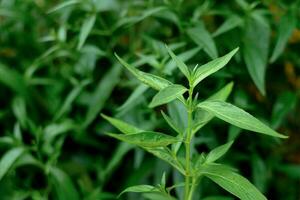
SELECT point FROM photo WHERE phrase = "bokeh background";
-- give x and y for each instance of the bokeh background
(58, 72)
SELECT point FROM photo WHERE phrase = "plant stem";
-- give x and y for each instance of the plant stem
(188, 144)
(187, 175)
(192, 190)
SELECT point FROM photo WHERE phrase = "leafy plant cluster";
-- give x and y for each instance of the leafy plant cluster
(58, 72)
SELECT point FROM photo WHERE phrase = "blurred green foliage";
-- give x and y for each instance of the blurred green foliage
(58, 72)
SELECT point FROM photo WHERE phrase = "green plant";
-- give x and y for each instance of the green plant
(191, 165)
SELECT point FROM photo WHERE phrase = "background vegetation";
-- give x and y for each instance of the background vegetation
(58, 72)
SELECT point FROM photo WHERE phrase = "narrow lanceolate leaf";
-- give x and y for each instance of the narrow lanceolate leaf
(255, 50)
(166, 155)
(231, 23)
(203, 38)
(63, 185)
(223, 93)
(140, 189)
(102, 92)
(180, 64)
(211, 67)
(122, 126)
(8, 159)
(62, 5)
(146, 139)
(134, 97)
(66, 106)
(167, 94)
(151, 80)
(85, 30)
(185, 56)
(218, 152)
(202, 117)
(286, 27)
(237, 117)
(231, 182)
(171, 123)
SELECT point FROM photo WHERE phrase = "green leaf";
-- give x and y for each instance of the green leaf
(129, 21)
(151, 80)
(286, 27)
(185, 56)
(62, 5)
(178, 113)
(223, 93)
(285, 103)
(14, 80)
(85, 30)
(53, 130)
(66, 106)
(146, 139)
(133, 98)
(202, 117)
(20, 111)
(237, 117)
(116, 159)
(171, 123)
(211, 67)
(231, 182)
(102, 92)
(63, 185)
(8, 159)
(122, 126)
(255, 51)
(203, 38)
(166, 155)
(260, 175)
(167, 94)
(232, 22)
(180, 64)
(140, 189)
(218, 152)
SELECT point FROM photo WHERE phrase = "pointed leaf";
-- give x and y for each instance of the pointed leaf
(167, 94)
(218, 152)
(230, 23)
(203, 38)
(185, 56)
(180, 64)
(62, 5)
(102, 92)
(63, 185)
(66, 106)
(134, 97)
(237, 117)
(202, 117)
(8, 159)
(140, 189)
(166, 155)
(151, 80)
(85, 30)
(146, 139)
(285, 103)
(211, 67)
(286, 27)
(255, 51)
(122, 126)
(171, 123)
(231, 181)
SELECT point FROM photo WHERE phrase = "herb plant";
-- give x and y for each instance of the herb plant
(192, 165)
